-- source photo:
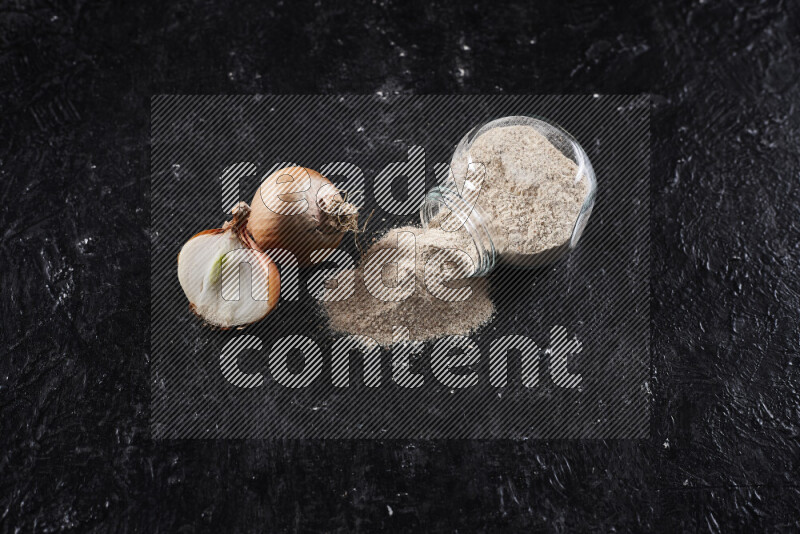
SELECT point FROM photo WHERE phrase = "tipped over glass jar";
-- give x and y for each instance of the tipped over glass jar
(521, 187)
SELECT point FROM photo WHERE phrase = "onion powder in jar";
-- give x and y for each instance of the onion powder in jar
(522, 188)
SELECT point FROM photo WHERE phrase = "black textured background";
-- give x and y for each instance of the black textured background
(75, 85)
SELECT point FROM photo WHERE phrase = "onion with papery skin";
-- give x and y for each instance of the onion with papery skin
(208, 271)
(299, 210)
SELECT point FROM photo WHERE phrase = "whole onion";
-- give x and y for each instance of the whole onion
(299, 210)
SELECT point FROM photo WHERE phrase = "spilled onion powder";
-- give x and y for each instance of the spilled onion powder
(425, 315)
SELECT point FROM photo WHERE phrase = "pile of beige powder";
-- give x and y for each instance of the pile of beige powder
(426, 315)
(530, 194)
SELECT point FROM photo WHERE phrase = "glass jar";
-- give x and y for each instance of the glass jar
(490, 219)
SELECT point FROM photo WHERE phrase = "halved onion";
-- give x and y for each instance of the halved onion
(209, 267)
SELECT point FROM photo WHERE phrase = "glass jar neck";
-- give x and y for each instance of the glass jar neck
(446, 200)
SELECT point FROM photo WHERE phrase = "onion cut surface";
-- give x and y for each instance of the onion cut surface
(229, 282)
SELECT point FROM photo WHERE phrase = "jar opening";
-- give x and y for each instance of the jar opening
(452, 213)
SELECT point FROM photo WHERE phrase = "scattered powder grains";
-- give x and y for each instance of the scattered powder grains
(426, 316)
(529, 191)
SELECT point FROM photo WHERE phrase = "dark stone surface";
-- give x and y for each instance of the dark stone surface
(75, 83)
